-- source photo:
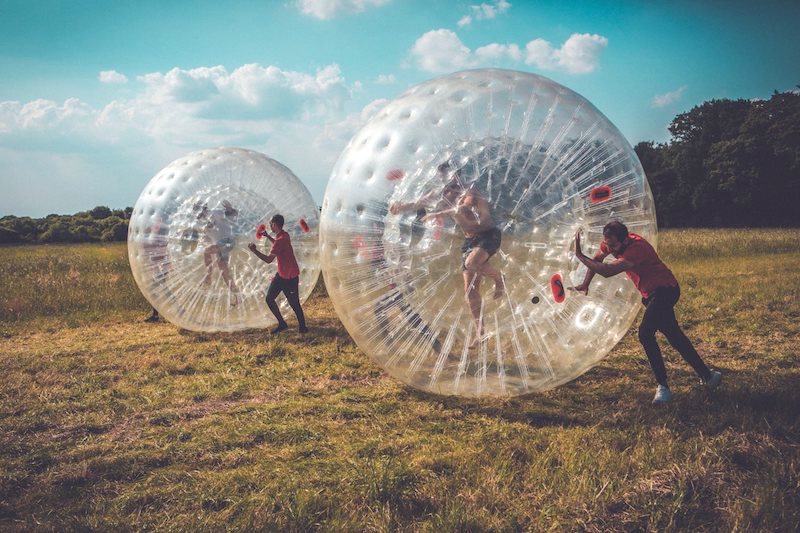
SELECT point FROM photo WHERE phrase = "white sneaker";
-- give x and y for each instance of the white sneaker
(663, 395)
(715, 379)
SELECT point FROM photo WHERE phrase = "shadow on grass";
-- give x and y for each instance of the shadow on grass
(604, 397)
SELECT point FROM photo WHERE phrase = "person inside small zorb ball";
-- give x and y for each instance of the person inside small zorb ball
(189, 233)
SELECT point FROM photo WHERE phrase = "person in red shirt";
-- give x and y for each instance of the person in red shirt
(287, 280)
(660, 292)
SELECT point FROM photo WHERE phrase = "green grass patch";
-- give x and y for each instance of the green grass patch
(110, 423)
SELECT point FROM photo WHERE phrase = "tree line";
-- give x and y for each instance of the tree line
(100, 224)
(729, 163)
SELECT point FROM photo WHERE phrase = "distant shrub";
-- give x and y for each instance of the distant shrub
(98, 224)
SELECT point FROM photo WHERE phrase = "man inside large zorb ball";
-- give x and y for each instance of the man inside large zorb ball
(483, 174)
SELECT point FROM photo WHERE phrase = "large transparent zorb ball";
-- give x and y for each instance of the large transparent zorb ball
(190, 229)
(477, 163)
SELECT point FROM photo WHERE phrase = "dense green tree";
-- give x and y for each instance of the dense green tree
(100, 212)
(729, 163)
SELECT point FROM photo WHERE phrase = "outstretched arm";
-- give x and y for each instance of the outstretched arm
(426, 200)
(604, 269)
(264, 257)
(584, 286)
(438, 214)
(598, 267)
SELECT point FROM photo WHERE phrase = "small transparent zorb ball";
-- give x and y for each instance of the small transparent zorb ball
(189, 233)
(484, 163)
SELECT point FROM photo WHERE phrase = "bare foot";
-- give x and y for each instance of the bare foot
(499, 289)
(477, 341)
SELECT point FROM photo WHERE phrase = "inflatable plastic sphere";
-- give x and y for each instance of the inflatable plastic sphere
(189, 231)
(470, 164)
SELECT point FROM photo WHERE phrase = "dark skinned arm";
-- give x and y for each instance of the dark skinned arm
(264, 257)
(597, 266)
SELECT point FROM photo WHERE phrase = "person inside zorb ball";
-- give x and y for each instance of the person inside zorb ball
(447, 234)
(189, 233)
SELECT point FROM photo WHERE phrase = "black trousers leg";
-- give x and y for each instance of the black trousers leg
(660, 316)
(678, 339)
(275, 288)
(292, 292)
(647, 336)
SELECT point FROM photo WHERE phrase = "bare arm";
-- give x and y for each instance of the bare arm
(604, 269)
(399, 207)
(437, 214)
(264, 257)
(596, 265)
(584, 286)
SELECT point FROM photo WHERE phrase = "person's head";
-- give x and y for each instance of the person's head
(614, 235)
(452, 189)
(447, 172)
(276, 223)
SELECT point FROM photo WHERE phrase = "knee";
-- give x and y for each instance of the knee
(646, 334)
(470, 291)
(472, 263)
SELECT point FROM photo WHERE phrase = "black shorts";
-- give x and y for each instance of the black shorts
(289, 287)
(488, 240)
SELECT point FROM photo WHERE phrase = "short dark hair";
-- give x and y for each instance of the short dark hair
(277, 219)
(617, 229)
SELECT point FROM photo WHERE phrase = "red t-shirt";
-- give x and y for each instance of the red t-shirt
(648, 272)
(284, 254)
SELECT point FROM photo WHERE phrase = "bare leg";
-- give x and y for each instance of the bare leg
(225, 269)
(208, 254)
(472, 285)
(478, 261)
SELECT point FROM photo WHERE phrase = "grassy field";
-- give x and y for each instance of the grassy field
(109, 423)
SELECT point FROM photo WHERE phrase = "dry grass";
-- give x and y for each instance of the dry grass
(109, 423)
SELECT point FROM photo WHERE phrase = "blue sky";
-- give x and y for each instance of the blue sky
(97, 96)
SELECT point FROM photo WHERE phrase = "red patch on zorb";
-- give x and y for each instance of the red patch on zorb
(557, 286)
(600, 194)
(304, 225)
(261, 231)
(395, 174)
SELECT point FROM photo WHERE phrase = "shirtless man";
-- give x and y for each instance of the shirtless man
(471, 212)
(218, 240)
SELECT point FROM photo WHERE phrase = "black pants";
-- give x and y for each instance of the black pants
(660, 316)
(290, 289)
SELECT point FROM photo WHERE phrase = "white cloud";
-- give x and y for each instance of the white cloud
(663, 100)
(580, 54)
(299, 118)
(112, 76)
(328, 9)
(496, 52)
(249, 92)
(386, 79)
(540, 53)
(442, 51)
(484, 11)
